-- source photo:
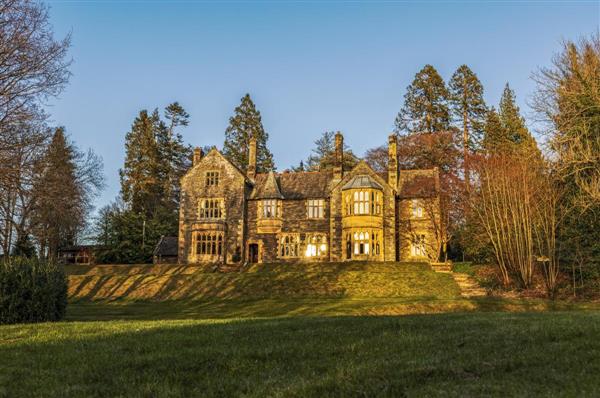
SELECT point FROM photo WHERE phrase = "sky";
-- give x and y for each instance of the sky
(310, 66)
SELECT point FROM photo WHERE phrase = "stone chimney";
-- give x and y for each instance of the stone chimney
(338, 167)
(197, 156)
(393, 161)
(251, 172)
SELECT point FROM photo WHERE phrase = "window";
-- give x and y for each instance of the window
(212, 178)
(417, 209)
(209, 243)
(289, 245)
(418, 246)
(210, 208)
(316, 245)
(315, 208)
(362, 202)
(271, 208)
(363, 243)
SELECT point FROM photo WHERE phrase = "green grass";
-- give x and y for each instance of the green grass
(446, 355)
(298, 330)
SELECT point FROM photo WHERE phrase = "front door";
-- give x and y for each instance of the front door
(253, 252)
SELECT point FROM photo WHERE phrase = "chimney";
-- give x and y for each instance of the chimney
(197, 156)
(393, 161)
(251, 172)
(338, 168)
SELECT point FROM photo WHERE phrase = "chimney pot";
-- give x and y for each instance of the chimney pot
(393, 161)
(251, 172)
(338, 168)
(197, 156)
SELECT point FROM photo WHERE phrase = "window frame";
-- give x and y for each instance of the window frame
(314, 243)
(211, 178)
(288, 245)
(208, 212)
(315, 209)
(274, 205)
(209, 243)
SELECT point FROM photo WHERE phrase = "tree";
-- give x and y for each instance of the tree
(323, 155)
(469, 110)
(33, 65)
(64, 193)
(174, 154)
(143, 177)
(567, 100)
(244, 124)
(425, 104)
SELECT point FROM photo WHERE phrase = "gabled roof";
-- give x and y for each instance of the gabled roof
(218, 153)
(296, 185)
(418, 183)
(166, 246)
(269, 189)
(362, 181)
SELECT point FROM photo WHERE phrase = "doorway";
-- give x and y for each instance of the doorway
(253, 253)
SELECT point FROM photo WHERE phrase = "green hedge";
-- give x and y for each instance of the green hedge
(31, 291)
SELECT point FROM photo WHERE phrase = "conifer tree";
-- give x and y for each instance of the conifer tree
(494, 137)
(141, 177)
(174, 154)
(425, 104)
(244, 124)
(512, 121)
(61, 200)
(469, 110)
(323, 155)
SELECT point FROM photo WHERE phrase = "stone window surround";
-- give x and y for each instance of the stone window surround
(315, 208)
(211, 178)
(207, 210)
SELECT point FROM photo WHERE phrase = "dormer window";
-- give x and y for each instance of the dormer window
(212, 178)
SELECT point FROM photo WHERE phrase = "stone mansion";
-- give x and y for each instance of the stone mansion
(231, 216)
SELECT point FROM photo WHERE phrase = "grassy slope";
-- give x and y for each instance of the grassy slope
(492, 354)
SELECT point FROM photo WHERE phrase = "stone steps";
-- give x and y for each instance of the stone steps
(468, 286)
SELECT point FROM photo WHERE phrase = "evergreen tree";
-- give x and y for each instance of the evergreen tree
(174, 154)
(469, 110)
(142, 177)
(425, 104)
(60, 208)
(244, 124)
(323, 155)
(505, 131)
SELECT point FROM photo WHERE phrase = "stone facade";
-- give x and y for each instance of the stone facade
(228, 216)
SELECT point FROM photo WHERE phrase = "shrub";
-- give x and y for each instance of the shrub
(31, 291)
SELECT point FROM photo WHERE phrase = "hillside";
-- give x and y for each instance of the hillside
(270, 281)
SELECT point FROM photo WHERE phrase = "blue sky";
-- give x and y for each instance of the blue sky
(310, 66)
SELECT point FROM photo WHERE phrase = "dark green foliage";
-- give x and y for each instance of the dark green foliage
(425, 104)
(31, 291)
(24, 247)
(126, 237)
(323, 155)
(244, 124)
(468, 106)
(505, 131)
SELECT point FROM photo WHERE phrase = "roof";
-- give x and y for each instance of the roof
(362, 181)
(269, 189)
(417, 183)
(166, 246)
(295, 185)
(76, 248)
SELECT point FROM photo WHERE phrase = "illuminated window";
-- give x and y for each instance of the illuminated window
(289, 245)
(418, 246)
(212, 178)
(361, 202)
(209, 243)
(271, 208)
(210, 208)
(363, 243)
(316, 245)
(315, 208)
(417, 209)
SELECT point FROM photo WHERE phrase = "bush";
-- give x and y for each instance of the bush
(31, 291)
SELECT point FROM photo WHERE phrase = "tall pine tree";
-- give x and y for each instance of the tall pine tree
(245, 123)
(425, 104)
(505, 131)
(323, 155)
(142, 177)
(469, 111)
(60, 206)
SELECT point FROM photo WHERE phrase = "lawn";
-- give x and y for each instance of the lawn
(298, 330)
(474, 354)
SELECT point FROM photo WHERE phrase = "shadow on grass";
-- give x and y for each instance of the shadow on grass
(426, 355)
